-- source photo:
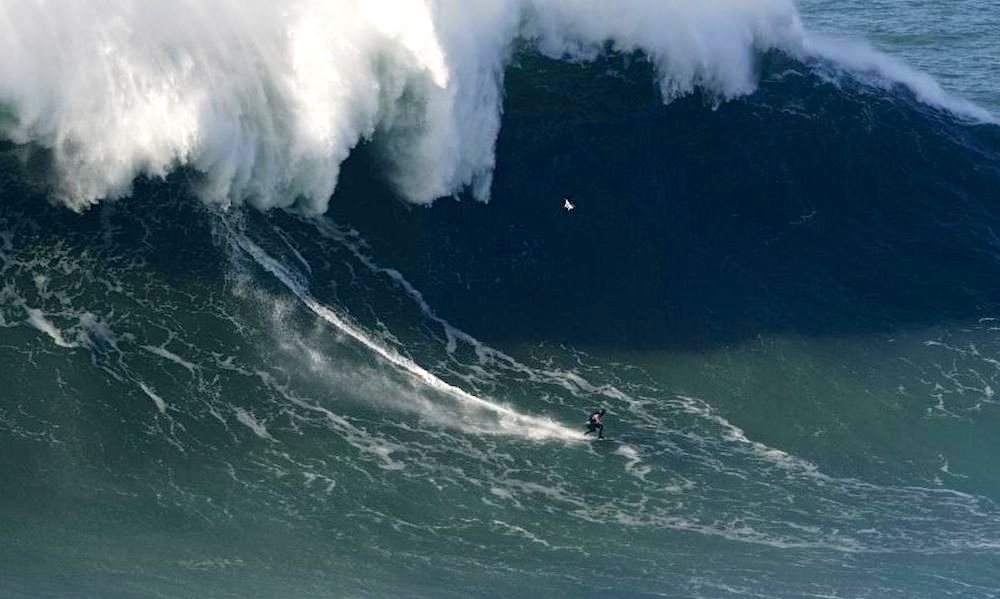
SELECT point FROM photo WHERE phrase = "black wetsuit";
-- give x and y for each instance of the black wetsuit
(594, 424)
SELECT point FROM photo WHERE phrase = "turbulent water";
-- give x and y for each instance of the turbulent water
(290, 305)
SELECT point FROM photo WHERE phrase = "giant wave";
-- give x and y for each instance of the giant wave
(782, 283)
(266, 101)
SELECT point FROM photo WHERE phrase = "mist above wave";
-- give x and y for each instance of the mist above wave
(267, 100)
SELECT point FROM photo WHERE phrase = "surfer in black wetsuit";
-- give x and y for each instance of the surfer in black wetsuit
(596, 423)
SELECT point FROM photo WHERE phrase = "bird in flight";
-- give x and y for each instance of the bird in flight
(568, 205)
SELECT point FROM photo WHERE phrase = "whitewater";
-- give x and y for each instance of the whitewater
(266, 100)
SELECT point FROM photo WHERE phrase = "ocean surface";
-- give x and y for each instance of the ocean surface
(290, 305)
(957, 42)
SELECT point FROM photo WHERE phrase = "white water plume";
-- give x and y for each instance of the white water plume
(267, 99)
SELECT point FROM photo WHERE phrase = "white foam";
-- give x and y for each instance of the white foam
(515, 530)
(253, 424)
(171, 356)
(37, 319)
(157, 400)
(633, 461)
(861, 59)
(267, 99)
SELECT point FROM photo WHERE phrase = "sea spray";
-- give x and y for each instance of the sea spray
(266, 101)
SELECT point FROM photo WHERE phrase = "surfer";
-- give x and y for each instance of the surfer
(596, 423)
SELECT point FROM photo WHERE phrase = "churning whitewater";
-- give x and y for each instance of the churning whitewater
(267, 100)
(259, 339)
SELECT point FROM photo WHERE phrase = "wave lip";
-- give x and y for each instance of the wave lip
(267, 101)
(881, 70)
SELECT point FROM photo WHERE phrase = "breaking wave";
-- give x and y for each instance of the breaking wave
(265, 101)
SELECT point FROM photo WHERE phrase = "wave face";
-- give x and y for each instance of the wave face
(788, 301)
(826, 204)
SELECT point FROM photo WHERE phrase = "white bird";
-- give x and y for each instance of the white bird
(568, 205)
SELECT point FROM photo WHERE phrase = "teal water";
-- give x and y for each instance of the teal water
(221, 440)
(789, 304)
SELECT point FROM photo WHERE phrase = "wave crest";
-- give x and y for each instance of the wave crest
(267, 101)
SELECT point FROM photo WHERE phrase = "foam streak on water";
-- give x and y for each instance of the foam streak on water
(507, 420)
